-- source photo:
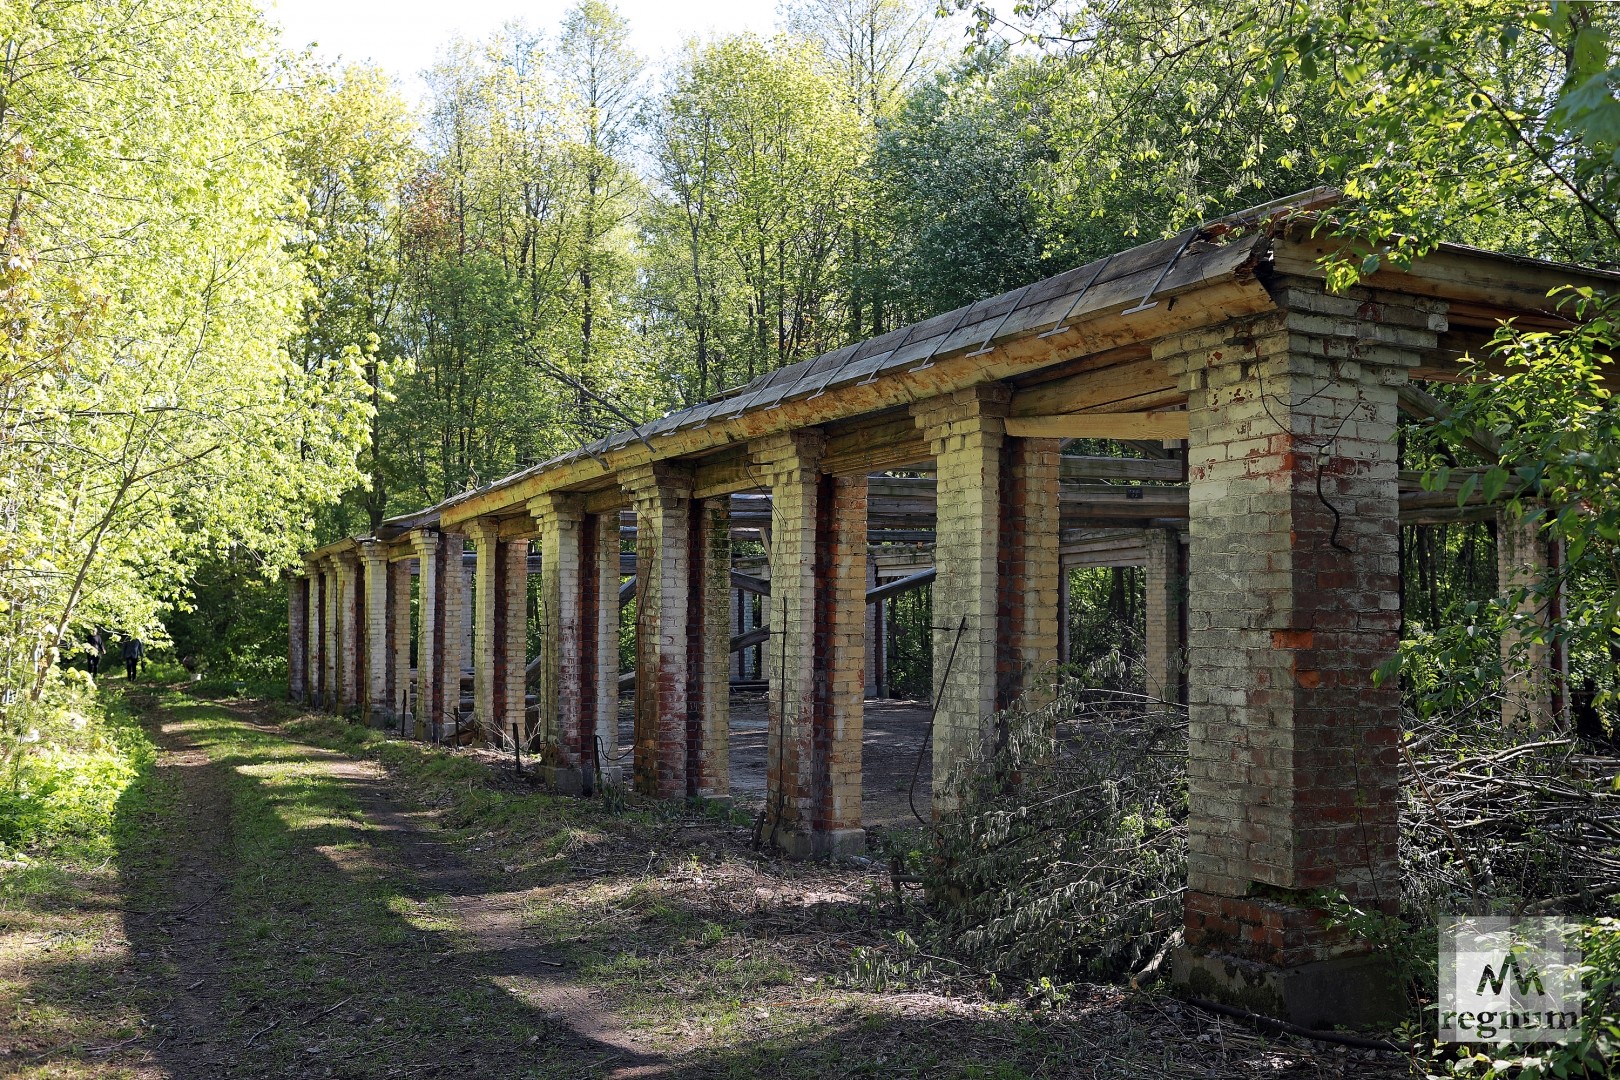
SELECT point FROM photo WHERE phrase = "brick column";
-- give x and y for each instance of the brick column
(511, 634)
(374, 564)
(297, 637)
(350, 631)
(331, 604)
(870, 629)
(563, 734)
(316, 673)
(599, 642)
(708, 637)
(1527, 672)
(816, 653)
(1164, 593)
(485, 536)
(400, 576)
(996, 553)
(455, 616)
(1293, 602)
(662, 496)
(429, 704)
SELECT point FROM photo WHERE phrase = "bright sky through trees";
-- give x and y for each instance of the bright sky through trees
(403, 36)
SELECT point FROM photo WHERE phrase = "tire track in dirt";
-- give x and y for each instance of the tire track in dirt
(488, 917)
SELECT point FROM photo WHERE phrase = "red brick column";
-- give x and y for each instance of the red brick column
(662, 496)
(815, 657)
(297, 637)
(1293, 602)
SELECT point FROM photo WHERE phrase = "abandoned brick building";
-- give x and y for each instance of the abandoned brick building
(1266, 510)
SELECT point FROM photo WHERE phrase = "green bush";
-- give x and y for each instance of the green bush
(67, 759)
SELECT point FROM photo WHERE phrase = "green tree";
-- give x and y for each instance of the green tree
(149, 409)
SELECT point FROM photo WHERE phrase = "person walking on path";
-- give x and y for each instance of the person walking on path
(133, 652)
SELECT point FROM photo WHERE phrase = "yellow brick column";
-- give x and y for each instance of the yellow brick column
(374, 567)
(428, 708)
(559, 519)
(400, 576)
(297, 637)
(350, 632)
(331, 604)
(454, 615)
(708, 624)
(1528, 680)
(965, 433)
(662, 496)
(599, 641)
(511, 633)
(485, 536)
(815, 658)
(315, 672)
(1165, 591)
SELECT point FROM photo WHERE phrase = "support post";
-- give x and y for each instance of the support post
(1293, 602)
(485, 536)
(816, 652)
(316, 674)
(511, 637)
(349, 632)
(558, 520)
(662, 497)
(708, 652)
(297, 637)
(1528, 680)
(1164, 592)
(331, 604)
(378, 659)
(454, 585)
(996, 550)
(599, 642)
(400, 639)
(429, 632)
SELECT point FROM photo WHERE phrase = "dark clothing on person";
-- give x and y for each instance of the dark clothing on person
(133, 652)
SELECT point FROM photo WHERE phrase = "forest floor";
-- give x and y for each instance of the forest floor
(297, 897)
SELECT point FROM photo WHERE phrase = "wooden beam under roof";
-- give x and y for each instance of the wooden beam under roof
(1134, 425)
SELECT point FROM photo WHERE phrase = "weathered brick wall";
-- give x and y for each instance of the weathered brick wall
(485, 536)
(708, 738)
(428, 706)
(662, 496)
(378, 659)
(815, 658)
(298, 637)
(1527, 675)
(1293, 601)
(1165, 591)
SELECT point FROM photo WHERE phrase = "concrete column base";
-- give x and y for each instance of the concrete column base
(1343, 992)
(831, 844)
(563, 779)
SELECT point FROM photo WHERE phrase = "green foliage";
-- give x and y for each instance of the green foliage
(66, 760)
(1066, 855)
(150, 413)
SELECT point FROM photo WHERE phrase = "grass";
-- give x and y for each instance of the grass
(320, 895)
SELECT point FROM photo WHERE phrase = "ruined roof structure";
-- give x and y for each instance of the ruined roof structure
(1268, 512)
